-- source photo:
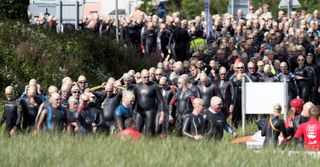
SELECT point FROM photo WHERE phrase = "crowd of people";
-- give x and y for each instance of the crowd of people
(196, 85)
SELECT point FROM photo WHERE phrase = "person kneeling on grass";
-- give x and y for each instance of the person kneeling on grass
(194, 126)
(130, 132)
(310, 130)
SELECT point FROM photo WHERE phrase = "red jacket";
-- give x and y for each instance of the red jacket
(311, 134)
(129, 133)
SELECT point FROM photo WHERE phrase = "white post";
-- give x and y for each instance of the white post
(117, 21)
(285, 89)
(243, 104)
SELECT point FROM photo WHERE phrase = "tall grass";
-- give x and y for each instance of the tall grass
(101, 150)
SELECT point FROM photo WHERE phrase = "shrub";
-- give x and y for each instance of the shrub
(26, 53)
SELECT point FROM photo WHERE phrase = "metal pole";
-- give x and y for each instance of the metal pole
(60, 20)
(243, 104)
(285, 87)
(289, 8)
(117, 21)
(77, 15)
(232, 8)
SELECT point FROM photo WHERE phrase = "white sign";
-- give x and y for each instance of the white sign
(261, 97)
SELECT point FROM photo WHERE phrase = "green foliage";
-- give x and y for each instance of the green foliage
(14, 9)
(310, 4)
(48, 57)
(192, 8)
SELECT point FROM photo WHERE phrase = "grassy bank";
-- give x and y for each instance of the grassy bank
(100, 150)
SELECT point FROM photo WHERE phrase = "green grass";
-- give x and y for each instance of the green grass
(100, 150)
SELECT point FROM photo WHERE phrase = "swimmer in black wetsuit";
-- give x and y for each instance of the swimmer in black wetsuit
(148, 101)
(273, 127)
(52, 115)
(194, 126)
(110, 104)
(182, 101)
(167, 94)
(30, 106)
(12, 112)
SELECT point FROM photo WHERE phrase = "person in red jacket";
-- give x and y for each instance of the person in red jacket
(130, 132)
(310, 131)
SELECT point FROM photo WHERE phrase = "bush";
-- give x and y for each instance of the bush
(26, 53)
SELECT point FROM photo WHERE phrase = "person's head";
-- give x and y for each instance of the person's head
(145, 76)
(55, 100)
(267, 69)
(240, 67)
(130, 123)
(52, 89)
(32, 91)
(216, 103)
(128, 98)
(158, 73)
(9, 93)
(33, 82)
(203, 78)
(108, 88)
(260, 65)
(182, 82)
(296, 105)
(68, 81)
(277, 109)
(73, 103)
(84, 100)
(163, 82)
(314, 112)
(197, 106)
(127, 78)
(82, 81)
(306, 107)
(284, 67)
(152, 74)
(193, 70)
(301, 60)
(309, 58)
(251, 67)
(75, 91)
(65, 91)
(223, 73)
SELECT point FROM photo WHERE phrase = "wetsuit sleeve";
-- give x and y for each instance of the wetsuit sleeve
(159, 99)
(283, 129)
(172, 102)
(18, 117)
(186, 128)
(265, 127)
(100, 98)
(3, 118)
(227, 127)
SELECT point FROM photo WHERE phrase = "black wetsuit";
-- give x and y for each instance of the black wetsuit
(255, 77)
(207, 92)
(11, 115)
(55, 119)
(216, 123)
(149, 41)
(194, 125)
(29, 112)
(226, 92)
(85, 119)
(167, 95)
(237, 85)
(180, 40)
(304, 83)
(272, 129)
(182, 101)
(148, 101)
(107, 115)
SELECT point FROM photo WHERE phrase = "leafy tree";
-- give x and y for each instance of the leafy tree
(14, 9)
